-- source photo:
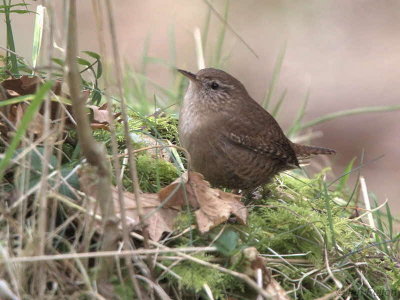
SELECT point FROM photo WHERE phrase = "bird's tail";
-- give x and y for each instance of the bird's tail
(305, 151)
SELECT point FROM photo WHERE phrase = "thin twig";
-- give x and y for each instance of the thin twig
(26, 259)
(93, 151)
(365, 281)
(48, 146)
(199, 49)
(114, 147)
(367, 202)
(241, 276)
(131, 157)
(328, 268)
(229, 26)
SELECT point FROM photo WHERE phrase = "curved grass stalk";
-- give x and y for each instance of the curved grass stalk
(350, 112)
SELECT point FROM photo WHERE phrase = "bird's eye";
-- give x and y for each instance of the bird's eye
(214, 85)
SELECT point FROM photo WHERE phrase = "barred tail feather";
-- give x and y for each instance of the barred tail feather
(304, 151)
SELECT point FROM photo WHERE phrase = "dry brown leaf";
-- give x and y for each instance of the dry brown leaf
(214, 206)
(178, 193)
(96, 126)
(24, 85)
(253, 261)
(100, 118)
(36, 126)
(99, 115)
(18, 110)
(159, 220)
(88, 180)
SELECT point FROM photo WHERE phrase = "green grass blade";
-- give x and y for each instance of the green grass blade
(16, 100)
(346, 175)
(221, 37)
(350, 112)
(296, 127)
(329, 211)
(275, 76)
(145, 52)
(380, 234)
(8, 6)
(97, 57)
(92, 54)
(389, 220)
(228, 26)
(37, 34)
(204, 37)
(25, 121)
(17, 11)
(278, 105)
(10, 41)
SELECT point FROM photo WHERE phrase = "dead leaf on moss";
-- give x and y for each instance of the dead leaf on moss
(15, 87)
(159, 218)
(253, 263)
(214, 206)
(24, 85)
(99, 117)
(88, 180)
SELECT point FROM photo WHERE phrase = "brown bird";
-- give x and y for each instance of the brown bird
(231, 139)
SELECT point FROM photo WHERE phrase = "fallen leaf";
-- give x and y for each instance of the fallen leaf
(18, 113)
(159, 219)
(24, 85)
(214, 206)
(36, 126)
(253, 262)
(99, 117)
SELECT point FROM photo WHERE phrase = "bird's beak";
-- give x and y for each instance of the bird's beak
(188, 74)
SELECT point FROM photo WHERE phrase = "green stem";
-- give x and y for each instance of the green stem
(10, 40)
(355, 111)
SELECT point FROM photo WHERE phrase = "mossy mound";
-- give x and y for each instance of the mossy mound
(312, 245)
(305, 227)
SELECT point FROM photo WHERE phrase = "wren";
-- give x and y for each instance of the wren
(232, 140)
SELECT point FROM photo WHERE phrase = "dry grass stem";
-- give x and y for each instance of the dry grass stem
(92, 150)
(28, 259)
(97, 5)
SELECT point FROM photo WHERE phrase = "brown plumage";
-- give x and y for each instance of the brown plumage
(231, 139)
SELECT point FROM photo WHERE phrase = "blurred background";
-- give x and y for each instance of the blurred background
(346, 54)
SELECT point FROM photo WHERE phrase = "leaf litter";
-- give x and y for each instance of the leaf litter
(161, 209)
(27, 85)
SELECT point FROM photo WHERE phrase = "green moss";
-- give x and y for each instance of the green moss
(184, 220)
(194, 276)
(153, 173)
(298, 215)
(295, 219)
(165, 127)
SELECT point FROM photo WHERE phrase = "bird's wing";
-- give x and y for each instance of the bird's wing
(258, 131)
